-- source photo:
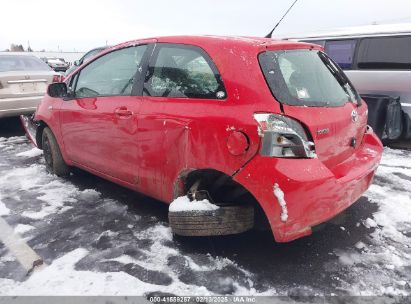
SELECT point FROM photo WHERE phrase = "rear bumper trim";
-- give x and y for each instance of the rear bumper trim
(30, 126)
(313, 193)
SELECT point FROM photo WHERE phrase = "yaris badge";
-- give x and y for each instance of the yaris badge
(354, 116)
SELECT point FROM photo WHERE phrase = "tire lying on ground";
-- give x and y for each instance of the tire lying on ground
(222, 221)
(54, 160)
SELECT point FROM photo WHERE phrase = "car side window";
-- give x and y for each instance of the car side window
(385, 53)
(341, 51)
(72, 82)
(183, 71)
(90, 55)
(111, 74)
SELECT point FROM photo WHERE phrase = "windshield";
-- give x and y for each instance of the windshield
(306, 78)
(22, 63)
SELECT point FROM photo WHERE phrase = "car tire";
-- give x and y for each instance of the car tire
(223, 221)
(54, 160)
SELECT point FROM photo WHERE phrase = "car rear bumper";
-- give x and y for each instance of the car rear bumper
(59, 69)
(18, 105)
(313, 193)
(30, 126)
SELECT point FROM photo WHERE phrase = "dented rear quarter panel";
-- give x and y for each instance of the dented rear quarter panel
(178, 135)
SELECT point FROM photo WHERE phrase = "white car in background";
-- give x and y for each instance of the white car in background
(57, 64)
(23, 82)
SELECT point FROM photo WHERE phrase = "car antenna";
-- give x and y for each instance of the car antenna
(289, 9)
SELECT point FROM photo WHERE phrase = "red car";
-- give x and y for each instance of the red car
(266, 131)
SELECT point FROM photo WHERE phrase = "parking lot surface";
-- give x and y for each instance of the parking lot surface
(97, 238)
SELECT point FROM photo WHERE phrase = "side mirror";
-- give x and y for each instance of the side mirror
(57, 89)
(77, 62)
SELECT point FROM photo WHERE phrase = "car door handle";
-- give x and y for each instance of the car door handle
(123, 112)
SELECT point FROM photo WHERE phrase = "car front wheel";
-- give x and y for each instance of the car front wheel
(54, 160)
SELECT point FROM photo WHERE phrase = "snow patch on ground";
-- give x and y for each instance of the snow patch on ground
(3, 209)
(54, 193)
(89, 195)
(384, 262)
(360, 245)
(370, 223)
(183, 203)
(7, 258)
(31, 153)
(157, 259)
(22, 228)
(60, 278)
(279, 194)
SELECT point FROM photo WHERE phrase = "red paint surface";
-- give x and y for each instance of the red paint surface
(145, 143)
(237, 143)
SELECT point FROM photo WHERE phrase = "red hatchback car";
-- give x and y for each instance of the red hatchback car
(274, 127)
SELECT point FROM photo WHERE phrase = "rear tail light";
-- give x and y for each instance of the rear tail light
(57, 78)
(283, 137)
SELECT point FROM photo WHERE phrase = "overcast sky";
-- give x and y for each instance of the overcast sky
(83, 24)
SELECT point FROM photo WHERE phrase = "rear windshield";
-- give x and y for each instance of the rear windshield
(306, 78)
(22, 63)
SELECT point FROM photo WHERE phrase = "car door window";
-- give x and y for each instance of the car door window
(90, 55)
(72, 82)
(385, 53)
(111, 74)
(183, 71)
(341, 51)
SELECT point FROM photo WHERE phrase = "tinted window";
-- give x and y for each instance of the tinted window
(22, 63)
(306, 78)
(341, 51)
(385, 53)
(111, 74)
(183, 71)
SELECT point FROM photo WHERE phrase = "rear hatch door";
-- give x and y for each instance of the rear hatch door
(314, 90)
(337, 131)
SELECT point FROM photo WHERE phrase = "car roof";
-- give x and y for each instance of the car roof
(227, 41)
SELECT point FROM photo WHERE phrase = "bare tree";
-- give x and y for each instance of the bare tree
(16, 48)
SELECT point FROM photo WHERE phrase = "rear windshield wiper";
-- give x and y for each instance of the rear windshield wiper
(342, 79)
